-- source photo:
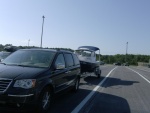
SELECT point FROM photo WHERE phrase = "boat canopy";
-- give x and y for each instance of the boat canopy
(89, 47)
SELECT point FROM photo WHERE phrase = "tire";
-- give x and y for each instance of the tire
(97, 72)
(45, 100)
(76, 86)
(99, 75)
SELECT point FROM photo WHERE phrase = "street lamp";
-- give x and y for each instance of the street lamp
(126, 51)
(42, 30)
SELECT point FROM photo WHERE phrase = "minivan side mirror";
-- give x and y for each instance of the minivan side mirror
(60, 66)
(1, 60)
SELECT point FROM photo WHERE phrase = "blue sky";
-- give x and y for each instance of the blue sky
(107, 24)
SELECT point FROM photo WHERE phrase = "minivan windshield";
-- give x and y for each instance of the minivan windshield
(31, 58)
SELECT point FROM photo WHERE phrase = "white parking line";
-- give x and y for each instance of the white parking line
(141, 69)
(85, 100)
(140, 75)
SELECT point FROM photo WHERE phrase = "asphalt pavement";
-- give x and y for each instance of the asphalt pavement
(126, 90)
(121, 89)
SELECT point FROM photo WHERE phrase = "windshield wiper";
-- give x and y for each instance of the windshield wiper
(23, 65)
(16, 65)
(27, 65)
(2, 63)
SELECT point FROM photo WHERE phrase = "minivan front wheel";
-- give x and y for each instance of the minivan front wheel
(45, 100)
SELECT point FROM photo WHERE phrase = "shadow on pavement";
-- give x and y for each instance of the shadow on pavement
(116, 81)
(91, 80)
(108, 83)
(106, 103)
(99, 103)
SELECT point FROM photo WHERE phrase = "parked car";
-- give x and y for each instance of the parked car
(3, 55)
(32, 77)
(126, 64)
(117, 63)
(11, 48)
(102, 63)
(148, 65)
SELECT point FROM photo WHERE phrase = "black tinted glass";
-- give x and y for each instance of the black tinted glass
(69, 60)
(60, 59)
(35, 58)
(76, 60)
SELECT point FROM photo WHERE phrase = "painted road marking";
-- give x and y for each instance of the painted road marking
(140, 75)
(142, 69)
(85, 100)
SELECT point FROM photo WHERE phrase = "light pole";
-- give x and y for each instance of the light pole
(28, 42)
(126, 51)
(99, 56)
(42, 30)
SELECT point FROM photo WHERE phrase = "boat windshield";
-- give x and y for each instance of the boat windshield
(84, 53)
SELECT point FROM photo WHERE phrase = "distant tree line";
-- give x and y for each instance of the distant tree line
(109, 59)
(2, 47)
(130, 58)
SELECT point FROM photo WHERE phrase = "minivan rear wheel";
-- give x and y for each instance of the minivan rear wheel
(76, 86)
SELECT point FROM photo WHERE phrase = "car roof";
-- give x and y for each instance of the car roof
(40, 49)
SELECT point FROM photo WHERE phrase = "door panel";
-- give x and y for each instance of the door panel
(71, 68)
(59, 75)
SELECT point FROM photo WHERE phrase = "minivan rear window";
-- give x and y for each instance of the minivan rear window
(76, 60)
(69, 59)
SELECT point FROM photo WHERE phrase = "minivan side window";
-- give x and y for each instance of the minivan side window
(60, 59)
(69, 59)
(76, 60)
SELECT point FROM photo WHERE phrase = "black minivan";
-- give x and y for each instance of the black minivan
(32, 77)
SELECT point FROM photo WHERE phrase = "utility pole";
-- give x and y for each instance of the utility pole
(126, 51)
(42, 30)
(28, 42)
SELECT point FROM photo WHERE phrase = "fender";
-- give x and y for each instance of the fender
(42, 84)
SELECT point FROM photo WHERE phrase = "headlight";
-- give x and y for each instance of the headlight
(25, 83)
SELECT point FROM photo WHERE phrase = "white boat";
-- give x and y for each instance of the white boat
(87, 57)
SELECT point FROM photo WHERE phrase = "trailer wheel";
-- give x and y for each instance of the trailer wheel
(97, 72)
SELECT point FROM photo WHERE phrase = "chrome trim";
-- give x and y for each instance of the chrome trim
(8, 84)
(20, 95)
(64, 87)
(66, 83)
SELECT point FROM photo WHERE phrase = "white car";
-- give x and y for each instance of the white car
(3, 55)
